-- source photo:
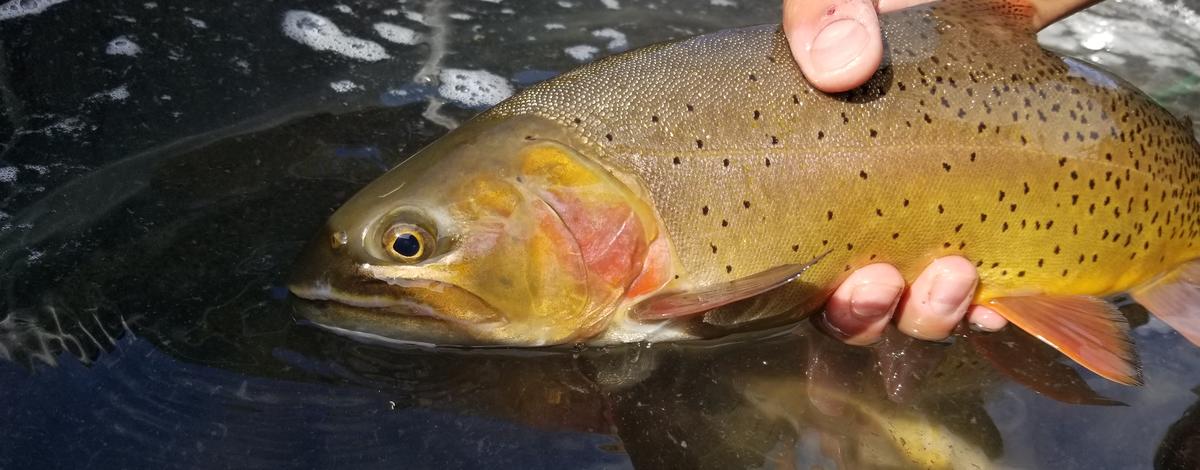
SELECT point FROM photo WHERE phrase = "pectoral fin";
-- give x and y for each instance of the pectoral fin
(703, 299)
(1175, 299)
(1086, 329)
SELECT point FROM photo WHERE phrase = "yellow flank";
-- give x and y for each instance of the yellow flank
(1050, 174)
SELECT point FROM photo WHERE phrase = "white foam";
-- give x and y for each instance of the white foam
(414, 16)
(150, 5)
(197, 22)
(16, 8)
(492, 1)
(319, 33)
(566, 4)
(616, 38)
(397, 34)
(474, 88)
(41, 170)
(611, 4)
(582, 52)
(508, 11)
(343, 86)
(391, 12)
(344, 9)
(551, 26)
(122, 46)
(116, 94)
(8, 174)
(459, 16)
(723, 3)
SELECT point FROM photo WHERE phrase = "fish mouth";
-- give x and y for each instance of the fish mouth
(398, 318)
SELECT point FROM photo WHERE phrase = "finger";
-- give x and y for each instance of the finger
(893, 5)
(986, 319)
(836, 42)
(938, 299)
(862, 306)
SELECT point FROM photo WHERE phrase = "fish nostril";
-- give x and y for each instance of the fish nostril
(338, 239)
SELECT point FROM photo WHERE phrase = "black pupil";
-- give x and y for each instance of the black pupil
(407, 244)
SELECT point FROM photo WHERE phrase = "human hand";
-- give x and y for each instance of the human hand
(838, 45)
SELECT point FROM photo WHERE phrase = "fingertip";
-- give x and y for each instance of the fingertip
(939, 298)
(985, 319)
(837, 45)
(863, 304)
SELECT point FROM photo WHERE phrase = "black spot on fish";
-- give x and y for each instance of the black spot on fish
(895, 235)
(829, 215)
(746, 204)
(704, 210)
(820, 135)
(728, 268)
(653, 118)
(946, 166)
(675, 160)
(609, 137)
(874, 133)
(757, 115)
(725, 163)
(862, 174)
(699, 144)
(795, 247)
(691, 108)
(576, 120)
(724, 223)
(849, 247)
(983, 217)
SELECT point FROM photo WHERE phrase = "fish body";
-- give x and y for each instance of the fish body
(709, 161)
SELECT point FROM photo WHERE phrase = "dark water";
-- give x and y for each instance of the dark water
(151, 203)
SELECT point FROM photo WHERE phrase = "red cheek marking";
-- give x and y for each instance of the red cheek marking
(610, 236)
(656, 271)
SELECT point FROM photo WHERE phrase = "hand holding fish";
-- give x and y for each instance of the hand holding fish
(838, 45)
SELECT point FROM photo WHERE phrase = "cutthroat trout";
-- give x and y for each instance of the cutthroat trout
(679, 191)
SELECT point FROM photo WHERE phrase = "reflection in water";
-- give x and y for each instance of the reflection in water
(145, 324)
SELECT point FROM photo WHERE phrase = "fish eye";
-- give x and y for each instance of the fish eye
(407, 242)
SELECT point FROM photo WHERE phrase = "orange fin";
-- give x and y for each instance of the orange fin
(1086, 329)
(703, 299)
(1027, 361)
(1175, 299)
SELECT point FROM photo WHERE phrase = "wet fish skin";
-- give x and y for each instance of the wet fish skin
(1053, 176)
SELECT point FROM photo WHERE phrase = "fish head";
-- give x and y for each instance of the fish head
(503, 232)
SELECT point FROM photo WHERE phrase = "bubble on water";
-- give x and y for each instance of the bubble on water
(116, 94)
(343, 86)
(473, 88)
(319, 33)
(551, 26)
(397, 34)
(8, 174)
(459, 16)
(723, 3)
(16, 8)
(617, 40)
(150, 5)
(566, 4)
(197, 22)
(344, 9)
(391, 12)
(611, 4)
(582, 52)
(122, 45)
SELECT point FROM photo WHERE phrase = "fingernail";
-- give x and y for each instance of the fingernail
(946, 297)
(838, 44)
(871, 301)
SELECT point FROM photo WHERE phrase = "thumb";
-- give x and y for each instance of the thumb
(836, 42)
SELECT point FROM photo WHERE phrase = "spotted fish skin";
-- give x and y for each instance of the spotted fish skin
(1051, 175)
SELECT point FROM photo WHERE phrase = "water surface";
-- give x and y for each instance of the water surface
(162, 163)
